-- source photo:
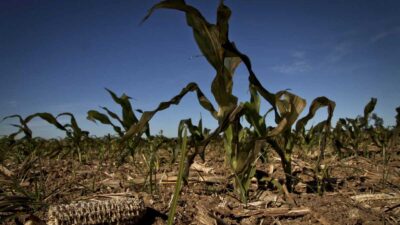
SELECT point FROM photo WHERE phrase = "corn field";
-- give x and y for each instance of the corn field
(246, 171)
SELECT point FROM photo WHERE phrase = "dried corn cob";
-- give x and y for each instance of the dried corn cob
(119, 210)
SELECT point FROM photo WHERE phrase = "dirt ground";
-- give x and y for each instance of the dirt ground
(356, 191)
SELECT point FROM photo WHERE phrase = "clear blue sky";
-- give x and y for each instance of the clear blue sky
(57, 56)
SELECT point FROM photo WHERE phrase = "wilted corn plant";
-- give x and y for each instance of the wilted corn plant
(287, 108)
(213, 42)
(127, 120)
(128, 115)
(22, 126)
(75, 133)
(322, 130)
(351, 134)
(210, 39)
(26, 145)
(72, 130)
(138, 128)
(386, 139)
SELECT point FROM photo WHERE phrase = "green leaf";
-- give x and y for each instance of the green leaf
(128, 116)
(113, 115)
(23, 127)
(21, 120)
(139, 127)
(210, 39)
(77, 131)
(270, 97)
(48, 117)
(94, 115)
(252, 113)
(368, 110)
(178, 186)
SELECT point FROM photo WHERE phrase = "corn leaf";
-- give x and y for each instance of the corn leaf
(94, 115)
(207, 35)
(23, 127)
(113, 115)
(368, 110)
(252, 113)
(48, 118)
(315, 105)
(21, 120)
(210, 39)
(270, 97)
(76, 130)
(128, 116)
(289, 108)
(139, 127)
(178, 185)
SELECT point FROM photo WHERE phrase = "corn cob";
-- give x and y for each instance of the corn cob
(120, 210)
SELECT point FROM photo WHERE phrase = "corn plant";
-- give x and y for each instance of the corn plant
(197, 137)
(4, 147)
(224, 57)
(72, 130)
(151, 161)
(380, 136)
(178, 186)
(307, 140)
(287, 108)
(352, 133)
(210, 39)
(22, 126)
(138, 128)
(386, 139)
(75, 133)
(321, 130)
(127, 120)
(27, 144)
(128, 115)
(396, 131)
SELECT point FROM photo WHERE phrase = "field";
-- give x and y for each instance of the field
(357, 190)
(249, 172)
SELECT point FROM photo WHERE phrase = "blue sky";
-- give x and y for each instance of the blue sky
(58, 56)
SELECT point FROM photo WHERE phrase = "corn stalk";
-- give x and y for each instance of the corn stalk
(178, 186)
